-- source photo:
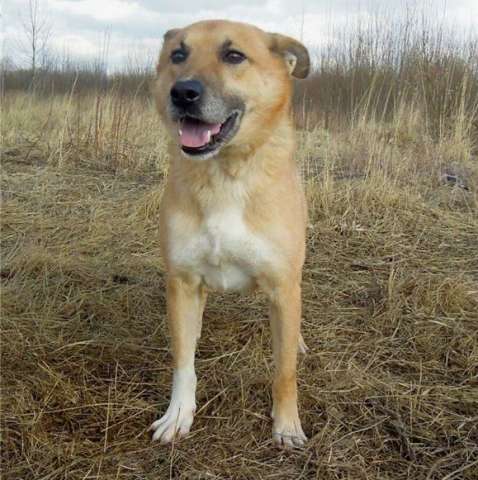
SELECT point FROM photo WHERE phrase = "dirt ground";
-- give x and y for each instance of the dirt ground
(388, 389)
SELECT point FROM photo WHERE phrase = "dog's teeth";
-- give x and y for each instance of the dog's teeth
(208, 135)
(180, 132)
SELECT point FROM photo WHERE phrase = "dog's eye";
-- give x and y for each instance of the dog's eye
(179, 55)
(233, 56)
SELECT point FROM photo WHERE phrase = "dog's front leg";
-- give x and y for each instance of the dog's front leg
(285, 325)
(186, 300)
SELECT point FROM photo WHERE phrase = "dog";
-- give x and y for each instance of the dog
(233, 212)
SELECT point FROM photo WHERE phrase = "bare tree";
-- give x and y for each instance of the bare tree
(37, 30)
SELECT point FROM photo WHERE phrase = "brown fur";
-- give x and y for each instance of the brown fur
(255, 170)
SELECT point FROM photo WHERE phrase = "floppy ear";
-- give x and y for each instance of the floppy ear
(294, 53)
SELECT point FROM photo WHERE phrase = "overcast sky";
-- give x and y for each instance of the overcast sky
(135, 27)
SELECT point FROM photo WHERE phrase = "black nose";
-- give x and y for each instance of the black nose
(186, 93)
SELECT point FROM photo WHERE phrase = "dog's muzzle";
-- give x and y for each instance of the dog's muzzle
(206, 122)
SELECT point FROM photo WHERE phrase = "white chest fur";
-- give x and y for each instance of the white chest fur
(223, 251)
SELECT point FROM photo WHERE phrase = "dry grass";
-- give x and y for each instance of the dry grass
(389, 388)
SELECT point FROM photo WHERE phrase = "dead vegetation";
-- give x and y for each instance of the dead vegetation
(389, 388)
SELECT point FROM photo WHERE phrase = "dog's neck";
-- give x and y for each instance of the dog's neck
(233, 176)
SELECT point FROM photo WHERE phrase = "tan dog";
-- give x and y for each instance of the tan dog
(233, 213)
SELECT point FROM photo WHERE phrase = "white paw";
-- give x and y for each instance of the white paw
(176, 422)
(288, 434)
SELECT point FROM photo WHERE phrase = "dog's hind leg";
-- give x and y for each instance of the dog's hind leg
(303, 348)
(186, 301)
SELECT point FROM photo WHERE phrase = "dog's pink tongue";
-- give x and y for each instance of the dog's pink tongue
(196, 134)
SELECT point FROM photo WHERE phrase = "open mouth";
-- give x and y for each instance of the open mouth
(199, 138)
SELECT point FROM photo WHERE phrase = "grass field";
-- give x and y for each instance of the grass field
(389, 387)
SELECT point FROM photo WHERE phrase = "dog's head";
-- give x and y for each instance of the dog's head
(221, 84)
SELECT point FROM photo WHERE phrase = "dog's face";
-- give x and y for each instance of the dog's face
(220, 84)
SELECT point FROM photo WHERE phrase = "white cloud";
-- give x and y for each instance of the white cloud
(79, 25)
(109, 11)
(82, 45)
